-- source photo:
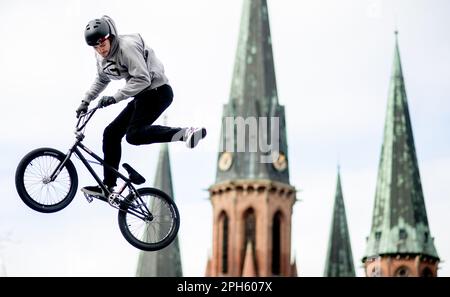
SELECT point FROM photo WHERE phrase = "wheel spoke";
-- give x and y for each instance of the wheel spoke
(156, 230)
(46, 194)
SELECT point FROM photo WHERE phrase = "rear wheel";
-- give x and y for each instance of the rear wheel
(150, 224)
(35, 188)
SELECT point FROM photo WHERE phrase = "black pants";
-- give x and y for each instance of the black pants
(135, 121)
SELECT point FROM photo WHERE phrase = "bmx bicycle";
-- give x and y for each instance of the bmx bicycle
(46, 180)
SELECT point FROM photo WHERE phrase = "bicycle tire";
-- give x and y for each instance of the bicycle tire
(29, 177)
(170, 208)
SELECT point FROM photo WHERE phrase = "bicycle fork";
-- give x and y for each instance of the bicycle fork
(59, 168)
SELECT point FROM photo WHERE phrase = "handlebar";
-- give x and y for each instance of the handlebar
(84, 119)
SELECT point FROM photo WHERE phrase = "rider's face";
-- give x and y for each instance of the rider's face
(103, 48)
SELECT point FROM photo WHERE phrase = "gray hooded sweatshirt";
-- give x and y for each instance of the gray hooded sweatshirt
(129, 58)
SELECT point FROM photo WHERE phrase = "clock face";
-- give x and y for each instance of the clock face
(225, 161)
(280, 163)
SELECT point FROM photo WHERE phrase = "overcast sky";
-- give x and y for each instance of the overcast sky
(333, 61)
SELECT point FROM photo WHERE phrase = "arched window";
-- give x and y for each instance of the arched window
(250, 227)
(276, 243)
(223, 233)
(249, 232)
(374, 268)
(426, 272)
(402, 272)
(375, 272)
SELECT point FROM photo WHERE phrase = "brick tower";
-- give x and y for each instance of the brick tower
(400, 242)
(252, 199)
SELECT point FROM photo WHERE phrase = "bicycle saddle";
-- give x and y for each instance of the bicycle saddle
(135, 177)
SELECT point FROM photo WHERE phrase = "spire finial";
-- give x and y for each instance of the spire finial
(396, 36)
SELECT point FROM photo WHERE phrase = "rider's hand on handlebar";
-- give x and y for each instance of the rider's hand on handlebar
(82, 108)
(106, 101)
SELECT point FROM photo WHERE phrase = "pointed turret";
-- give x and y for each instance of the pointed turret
(339, 261)
(165, 262)
(253, 104)
(400, 224)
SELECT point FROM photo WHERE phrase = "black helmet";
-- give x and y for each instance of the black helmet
(96, 32)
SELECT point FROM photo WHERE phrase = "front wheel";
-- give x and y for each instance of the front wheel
(149, 222)
(33, 180)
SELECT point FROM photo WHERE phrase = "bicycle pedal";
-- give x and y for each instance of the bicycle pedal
(88, 198)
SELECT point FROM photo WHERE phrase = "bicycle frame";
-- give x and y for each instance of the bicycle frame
(75, 149)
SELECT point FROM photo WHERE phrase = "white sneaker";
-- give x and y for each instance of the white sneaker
(193, 135)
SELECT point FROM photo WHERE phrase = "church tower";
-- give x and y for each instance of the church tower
(252, 199)
(339, 261)
(165, 262)
(400, 242)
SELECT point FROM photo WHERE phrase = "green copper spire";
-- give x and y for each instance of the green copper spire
(339, 261)
(253, 97)
(165, 262)
(400, 224)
